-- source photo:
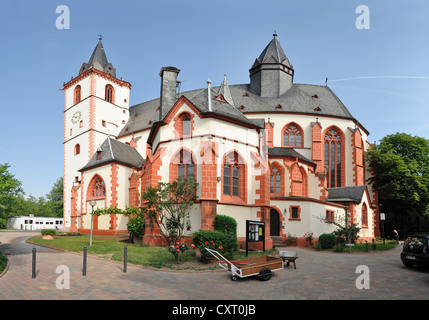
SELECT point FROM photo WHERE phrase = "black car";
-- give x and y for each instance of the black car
(416, 250)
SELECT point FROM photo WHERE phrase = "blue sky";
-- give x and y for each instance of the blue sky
(380, 74)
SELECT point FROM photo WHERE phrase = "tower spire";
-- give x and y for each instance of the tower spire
(271, 74)
(99, 60)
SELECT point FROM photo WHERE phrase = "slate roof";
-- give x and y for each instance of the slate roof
(114, 150)
(301, 98)
(346, 194)
(287, 152)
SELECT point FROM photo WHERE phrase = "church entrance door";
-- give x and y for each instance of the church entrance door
(274, 223)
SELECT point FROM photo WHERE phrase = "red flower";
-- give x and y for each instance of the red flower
(220, 247)
(207, 242)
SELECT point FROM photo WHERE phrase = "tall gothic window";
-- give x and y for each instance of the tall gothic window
(333, 165)
(292, 136)
(275, 183)
(110, 93)
(364, 216)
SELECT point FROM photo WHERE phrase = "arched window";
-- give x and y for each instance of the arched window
(234, 176)
(110, 93)
(77, 94)
(77, 149)
(333, 161)
(292, 135)
(364, 216)
(98, 188)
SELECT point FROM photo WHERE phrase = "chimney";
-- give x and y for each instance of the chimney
(168, 89)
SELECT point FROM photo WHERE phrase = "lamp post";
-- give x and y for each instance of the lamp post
(92, 203)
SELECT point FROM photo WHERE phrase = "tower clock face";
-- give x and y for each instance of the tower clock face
(76, 116)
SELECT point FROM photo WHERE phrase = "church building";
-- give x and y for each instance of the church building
(270, 150)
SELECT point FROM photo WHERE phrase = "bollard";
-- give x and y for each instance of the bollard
(125, 258)
(33, 264)
(84, 261)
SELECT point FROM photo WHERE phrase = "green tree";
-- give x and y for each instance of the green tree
(10, 189)
(55, 199)
(400, 165)
(169, 205)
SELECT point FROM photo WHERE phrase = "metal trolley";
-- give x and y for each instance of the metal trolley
(263, 266)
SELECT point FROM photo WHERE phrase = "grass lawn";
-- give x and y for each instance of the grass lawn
(362, 247)
(149, 256)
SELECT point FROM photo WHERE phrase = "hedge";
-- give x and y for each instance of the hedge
(327, 240)
(225, 224)
(48, 232)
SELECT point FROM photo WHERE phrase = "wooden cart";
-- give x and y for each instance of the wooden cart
(263, 266)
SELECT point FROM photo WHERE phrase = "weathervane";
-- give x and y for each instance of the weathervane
(100, 37)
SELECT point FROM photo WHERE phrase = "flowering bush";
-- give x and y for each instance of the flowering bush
(178, 249)
(309, 237)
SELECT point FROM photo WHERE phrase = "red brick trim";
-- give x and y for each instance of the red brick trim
(299, 213)
(178, 124)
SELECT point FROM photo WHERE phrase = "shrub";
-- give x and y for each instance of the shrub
(49, 232)
(327, 240)
(135, 226)
(224, 243)
(225, 224)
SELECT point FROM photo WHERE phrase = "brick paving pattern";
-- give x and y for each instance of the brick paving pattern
(319, 275)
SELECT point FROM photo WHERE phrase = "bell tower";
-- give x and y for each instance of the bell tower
(96, 105)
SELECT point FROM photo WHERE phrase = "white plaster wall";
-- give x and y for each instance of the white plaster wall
(240, 214)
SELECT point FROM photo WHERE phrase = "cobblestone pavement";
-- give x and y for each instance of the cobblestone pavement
(319, 275)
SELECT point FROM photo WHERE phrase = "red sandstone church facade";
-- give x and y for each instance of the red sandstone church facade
(271, 150)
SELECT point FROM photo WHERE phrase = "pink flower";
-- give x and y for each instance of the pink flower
(193, 245)
(178, 250)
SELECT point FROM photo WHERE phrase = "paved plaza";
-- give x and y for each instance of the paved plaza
(319, 275)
